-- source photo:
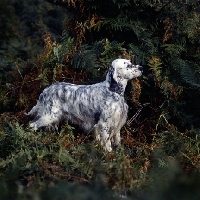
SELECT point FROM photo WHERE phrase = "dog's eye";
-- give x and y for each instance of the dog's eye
(130, 66)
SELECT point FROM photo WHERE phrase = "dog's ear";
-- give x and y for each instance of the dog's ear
(112, 73)
(112, 80)
(115, 74)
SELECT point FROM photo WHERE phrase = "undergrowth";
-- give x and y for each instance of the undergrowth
(38, 161)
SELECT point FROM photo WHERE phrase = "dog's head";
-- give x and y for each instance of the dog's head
(124, 69)
(120, 72)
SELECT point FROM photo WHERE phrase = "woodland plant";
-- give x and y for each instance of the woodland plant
(159, 157)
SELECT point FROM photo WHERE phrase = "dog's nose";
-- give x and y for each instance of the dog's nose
(140, 68)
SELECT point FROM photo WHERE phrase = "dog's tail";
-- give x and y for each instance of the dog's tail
(34, 111)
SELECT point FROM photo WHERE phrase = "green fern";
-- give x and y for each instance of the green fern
(84, 58)
(190, 76)
(173, 49)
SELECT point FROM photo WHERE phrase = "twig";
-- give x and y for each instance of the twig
(18, 70)
(136, 114)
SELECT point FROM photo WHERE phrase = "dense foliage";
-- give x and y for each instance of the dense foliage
(75, 41)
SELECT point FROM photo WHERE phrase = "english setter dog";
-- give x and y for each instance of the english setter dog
(100, 106)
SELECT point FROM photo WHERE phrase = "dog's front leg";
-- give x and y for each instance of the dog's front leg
(102, 135)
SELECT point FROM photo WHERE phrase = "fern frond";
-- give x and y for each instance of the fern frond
(156, 66)
(190, 76)
(84, 58)
(173, 49)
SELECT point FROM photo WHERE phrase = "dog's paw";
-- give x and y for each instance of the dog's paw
(34, 126)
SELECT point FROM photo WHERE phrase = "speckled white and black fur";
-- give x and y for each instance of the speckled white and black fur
(99, 106)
